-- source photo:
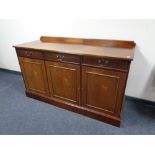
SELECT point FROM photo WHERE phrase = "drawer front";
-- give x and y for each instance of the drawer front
(30, 54)
(105, 62)
(62, 57)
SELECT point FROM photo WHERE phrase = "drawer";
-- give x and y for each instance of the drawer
(30, 54)
(105, 62)
(62, 57)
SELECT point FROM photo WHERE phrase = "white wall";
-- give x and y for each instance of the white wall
(141, 82)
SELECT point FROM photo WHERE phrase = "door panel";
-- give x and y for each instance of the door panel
(64, 81)
(34, 75)
(102, 89)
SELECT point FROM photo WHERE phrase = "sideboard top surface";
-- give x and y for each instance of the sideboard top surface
(91, 47)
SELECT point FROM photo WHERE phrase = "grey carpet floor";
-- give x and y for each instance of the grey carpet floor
(22, 115)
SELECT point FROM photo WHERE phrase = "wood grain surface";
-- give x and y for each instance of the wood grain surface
(112, 48)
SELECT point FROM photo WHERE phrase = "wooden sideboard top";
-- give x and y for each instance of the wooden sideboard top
(119, 49)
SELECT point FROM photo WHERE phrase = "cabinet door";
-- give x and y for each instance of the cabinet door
(64, 81)
(34, 75)
(103, 90)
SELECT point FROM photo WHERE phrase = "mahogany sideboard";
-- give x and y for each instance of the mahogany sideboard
(87, 76)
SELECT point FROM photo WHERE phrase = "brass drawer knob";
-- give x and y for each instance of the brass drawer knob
(99, 61)
(28, 53)
(103, 62)
(106, 62)
(60, 57)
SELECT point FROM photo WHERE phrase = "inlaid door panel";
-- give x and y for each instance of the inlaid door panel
(34, 75)
(102, 89)
(64, 81)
